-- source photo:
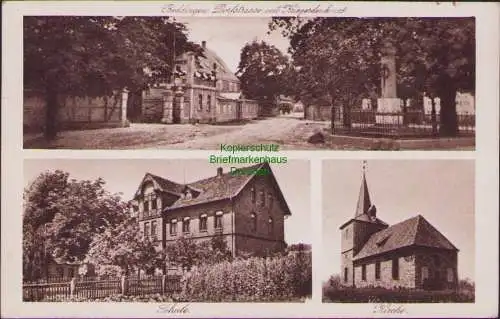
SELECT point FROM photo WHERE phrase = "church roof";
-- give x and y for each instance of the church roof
(364, 202)
(416, 231)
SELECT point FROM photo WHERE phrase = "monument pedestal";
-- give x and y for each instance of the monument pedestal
(391, 106)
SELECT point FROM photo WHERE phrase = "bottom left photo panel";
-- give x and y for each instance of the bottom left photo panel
(165, 230)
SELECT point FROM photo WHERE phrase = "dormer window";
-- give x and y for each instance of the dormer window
(188, 195)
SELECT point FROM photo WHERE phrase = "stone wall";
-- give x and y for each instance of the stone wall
(407, 272)
(76, 112)
(441, 269)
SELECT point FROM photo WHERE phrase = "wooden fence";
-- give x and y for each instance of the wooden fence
(94, 288)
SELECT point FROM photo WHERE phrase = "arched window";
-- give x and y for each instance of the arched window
(262, 198)
(253, 221)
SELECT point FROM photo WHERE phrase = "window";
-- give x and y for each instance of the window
(71, 272)
(154, 230)
(173, 227)
(346, 274)
(363, 272)
(203, 222)
(262, 199)
(253, 218)
(270, 200)
(146, 207)
(209, 100)
(450, 274)
(270, 226)
(425, 273)
(200, 102)
(60, 272)
(253, 194)
(146, 230)
(395, 269)
(377, 270)
(185, 225)
(153, 202)
(218, 220)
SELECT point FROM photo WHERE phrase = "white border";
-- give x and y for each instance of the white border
(486, 155)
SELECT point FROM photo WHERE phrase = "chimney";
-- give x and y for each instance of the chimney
(219, 171)
(204, 44)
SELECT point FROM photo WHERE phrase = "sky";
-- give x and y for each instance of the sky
(124, 175)
(442, 191)
(227, 36)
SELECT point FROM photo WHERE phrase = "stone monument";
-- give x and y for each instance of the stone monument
(389, 102)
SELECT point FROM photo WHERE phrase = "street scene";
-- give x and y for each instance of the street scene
(193, 83)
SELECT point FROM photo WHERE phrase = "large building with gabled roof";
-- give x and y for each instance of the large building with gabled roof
(247, 209)
(409, 254)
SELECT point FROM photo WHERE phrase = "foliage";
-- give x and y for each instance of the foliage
(96, 56)
(339, 58)
(61, 216)
(186, 252)
(280, 278)
(263, 71)
(333, 292)
(123, 247)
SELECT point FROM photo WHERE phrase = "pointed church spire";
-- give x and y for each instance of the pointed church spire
(364, 202)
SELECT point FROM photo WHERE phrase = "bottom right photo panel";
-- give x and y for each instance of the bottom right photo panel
(400, 231)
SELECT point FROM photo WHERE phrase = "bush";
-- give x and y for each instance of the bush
(278, 278)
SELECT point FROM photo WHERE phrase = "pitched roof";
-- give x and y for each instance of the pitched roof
(214, 188)
(364, 202)
(204, 64)
(416, 231)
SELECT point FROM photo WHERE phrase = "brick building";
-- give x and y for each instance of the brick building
(247, 210)
(410, 254)
(204, 90)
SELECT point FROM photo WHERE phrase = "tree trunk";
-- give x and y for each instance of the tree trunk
(51, 109)
(448, 112)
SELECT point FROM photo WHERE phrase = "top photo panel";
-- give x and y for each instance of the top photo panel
(199, 83)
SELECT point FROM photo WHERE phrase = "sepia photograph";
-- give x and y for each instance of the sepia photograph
(399, 231)
(114, 230)
(306, 83)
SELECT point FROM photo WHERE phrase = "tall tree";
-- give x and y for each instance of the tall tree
(96, 56)
(61, 217)
(340, 56)
(262, 71)
(125, 247)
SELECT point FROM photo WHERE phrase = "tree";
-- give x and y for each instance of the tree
(96, 56)
(186, 252)
(262, 70)
(60, 218)
(124, 247)
(340, 57)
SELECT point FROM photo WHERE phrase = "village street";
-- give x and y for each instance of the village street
(289, 131)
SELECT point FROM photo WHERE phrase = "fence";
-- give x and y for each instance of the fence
(402, 124)
(94, 288)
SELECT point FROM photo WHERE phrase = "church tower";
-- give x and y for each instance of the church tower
(356, 231)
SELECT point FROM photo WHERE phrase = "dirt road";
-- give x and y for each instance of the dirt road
(290, 132)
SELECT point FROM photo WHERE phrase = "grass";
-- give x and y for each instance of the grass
(381, 295)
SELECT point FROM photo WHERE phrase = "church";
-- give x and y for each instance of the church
(411, 254)
(247, 210)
